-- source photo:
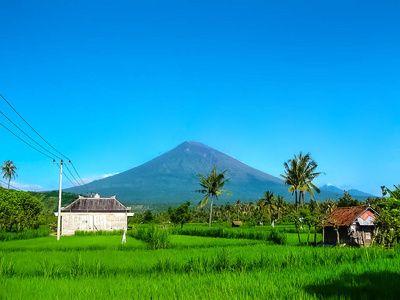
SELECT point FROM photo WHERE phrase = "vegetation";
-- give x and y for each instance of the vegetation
(212, 186)
(180, 215)
(18, 211)
(299, 174)
(100, 267)
(8, 169)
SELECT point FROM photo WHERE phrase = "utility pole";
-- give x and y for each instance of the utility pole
(59, 199)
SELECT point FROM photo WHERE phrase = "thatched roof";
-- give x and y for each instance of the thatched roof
(96, 204)
(344, 216)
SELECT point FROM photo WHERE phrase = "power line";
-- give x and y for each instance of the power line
(28, 135)
(77, 173)
(67, 177)
(10, 185)
(26, 122)
(72, 175)
(25, 141)
(32, 127)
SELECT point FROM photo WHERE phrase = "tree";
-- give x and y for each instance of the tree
(18, 210)
(347, 201)
(212, 185)
(8, 170)
(299, 174)
(148, 217)
(180, 215)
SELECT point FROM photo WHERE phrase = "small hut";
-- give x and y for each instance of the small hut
(93, 214)
(353, 226)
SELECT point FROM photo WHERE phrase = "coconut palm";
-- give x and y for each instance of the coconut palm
(307, 174)
(8, 170)
(299, 174)
(212, 185)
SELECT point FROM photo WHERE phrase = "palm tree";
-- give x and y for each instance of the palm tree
(307, 174)
(212, 186)
(280, 204)
(8, 170)
(299, 174)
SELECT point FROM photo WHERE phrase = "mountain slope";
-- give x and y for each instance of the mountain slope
(172, 178)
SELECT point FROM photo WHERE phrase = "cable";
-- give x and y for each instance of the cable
(32, 127)
(29, 136)
(11, 185)
(77, 173)
(67, 176)
(72, 175)
(39, 136)
(25, 141)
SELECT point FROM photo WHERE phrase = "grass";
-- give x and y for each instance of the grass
(100, 267)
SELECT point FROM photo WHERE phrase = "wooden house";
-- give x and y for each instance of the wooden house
(93, 214)
(352, 226)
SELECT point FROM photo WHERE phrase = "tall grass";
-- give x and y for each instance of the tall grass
(24, 235)
(98, 232)
(275, 236)
(157, 238)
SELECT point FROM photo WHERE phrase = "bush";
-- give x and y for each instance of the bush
(278, 237)
(156, 237)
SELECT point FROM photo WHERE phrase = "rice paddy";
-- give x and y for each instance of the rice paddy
(193, 267)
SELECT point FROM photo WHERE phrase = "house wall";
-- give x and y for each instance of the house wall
(92, 222)
(361, 235)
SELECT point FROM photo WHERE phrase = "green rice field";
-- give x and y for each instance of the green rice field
(194, 267)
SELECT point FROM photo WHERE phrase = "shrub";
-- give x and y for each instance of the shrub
(156, 237)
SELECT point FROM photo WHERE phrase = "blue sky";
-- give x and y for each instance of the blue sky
(112, 85)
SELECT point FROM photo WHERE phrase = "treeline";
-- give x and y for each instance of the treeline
(274, 209)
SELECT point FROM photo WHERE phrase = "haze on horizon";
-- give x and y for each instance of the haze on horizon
(113, 85)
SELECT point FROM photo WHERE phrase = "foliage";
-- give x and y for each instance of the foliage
(18, 210)
(147, 217)
(299, 174)
(347, 201)
(24, 235)
(255, 271)
(212, 185)
(157, 238)
(180, 215)
(8, 170)
(388, 221)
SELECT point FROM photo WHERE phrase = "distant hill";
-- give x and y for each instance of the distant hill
(172, 178)
(337, 191)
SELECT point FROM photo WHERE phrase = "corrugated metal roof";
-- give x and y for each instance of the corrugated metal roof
(84, 204)
(344, 216)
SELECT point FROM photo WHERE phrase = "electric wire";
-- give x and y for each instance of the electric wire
(35, 141)
(77, 173)
(66, 176)
(10, 185)
(29, 136)
(25, 141)
(66, 166)
(33, 128)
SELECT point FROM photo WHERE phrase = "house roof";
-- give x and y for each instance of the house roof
(344, 216)
(96, 204)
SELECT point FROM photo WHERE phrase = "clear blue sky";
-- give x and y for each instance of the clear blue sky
(112, 85)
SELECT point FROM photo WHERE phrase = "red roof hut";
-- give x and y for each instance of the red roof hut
(350, 225)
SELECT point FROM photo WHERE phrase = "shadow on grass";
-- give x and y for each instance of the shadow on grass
(369, 285)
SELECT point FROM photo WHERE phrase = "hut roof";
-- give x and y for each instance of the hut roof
(344, 216)
(96, 204)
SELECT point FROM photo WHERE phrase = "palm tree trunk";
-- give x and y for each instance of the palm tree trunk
(212, 200)
(9, 180)
(295, 199)
(315, 235)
